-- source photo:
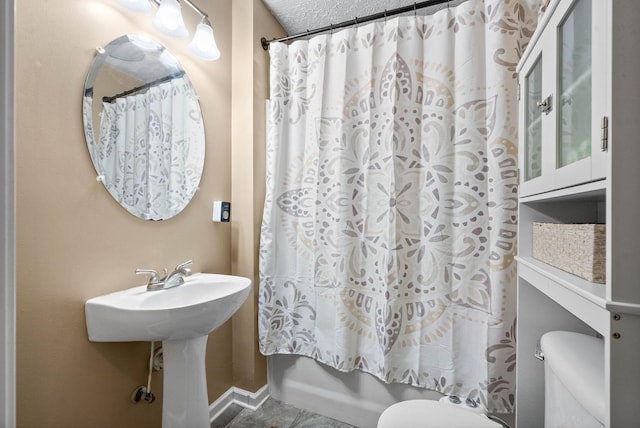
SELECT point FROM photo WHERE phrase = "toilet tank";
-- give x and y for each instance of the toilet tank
(574, 380)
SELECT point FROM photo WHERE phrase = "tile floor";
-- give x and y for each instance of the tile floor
(274, 414)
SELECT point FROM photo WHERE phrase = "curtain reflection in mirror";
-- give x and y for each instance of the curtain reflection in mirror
(144, 148)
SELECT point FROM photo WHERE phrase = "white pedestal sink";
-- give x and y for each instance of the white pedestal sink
(180, 317)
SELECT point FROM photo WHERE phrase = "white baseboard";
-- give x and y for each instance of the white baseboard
(249, 400)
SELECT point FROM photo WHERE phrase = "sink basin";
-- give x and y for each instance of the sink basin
(193, 309)
(180, 317)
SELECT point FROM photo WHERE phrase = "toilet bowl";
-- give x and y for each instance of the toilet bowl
(434, 414)
(574, 380)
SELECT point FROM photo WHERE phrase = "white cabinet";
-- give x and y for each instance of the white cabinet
(585, 56)
(563, 99)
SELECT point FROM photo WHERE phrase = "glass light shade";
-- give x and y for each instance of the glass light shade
(168, 19)
(136, 5)
(203, 44)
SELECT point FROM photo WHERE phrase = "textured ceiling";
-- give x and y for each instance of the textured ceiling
(298, 16)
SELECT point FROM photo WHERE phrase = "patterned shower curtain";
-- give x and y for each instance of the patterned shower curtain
(389, 228)
(147, 149)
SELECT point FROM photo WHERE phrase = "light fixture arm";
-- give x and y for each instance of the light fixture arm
(202, 13)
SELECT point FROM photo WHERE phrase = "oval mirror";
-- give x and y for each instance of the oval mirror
(144, 128)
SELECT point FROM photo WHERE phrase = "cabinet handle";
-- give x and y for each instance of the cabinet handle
(545, 105)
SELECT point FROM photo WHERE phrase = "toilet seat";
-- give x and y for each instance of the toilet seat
(432, 414)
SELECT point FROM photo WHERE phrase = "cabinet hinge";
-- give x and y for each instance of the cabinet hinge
(604, 136)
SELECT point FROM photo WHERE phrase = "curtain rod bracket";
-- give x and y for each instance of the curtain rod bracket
(264, 43)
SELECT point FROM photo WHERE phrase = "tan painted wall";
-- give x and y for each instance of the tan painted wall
(251, 20)
(74, 242)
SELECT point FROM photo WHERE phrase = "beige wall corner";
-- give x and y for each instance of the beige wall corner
(251, 20)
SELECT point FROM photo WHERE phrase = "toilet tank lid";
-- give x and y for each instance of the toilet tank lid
(578, 361)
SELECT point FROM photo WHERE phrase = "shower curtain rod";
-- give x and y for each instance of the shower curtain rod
(387, 13)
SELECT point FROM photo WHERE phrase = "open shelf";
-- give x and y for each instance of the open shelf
(596, 293)
(584, 299)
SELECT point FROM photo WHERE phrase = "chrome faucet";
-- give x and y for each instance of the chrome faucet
(171, 280)
(176, 277)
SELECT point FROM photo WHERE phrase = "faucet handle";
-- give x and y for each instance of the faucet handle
(184, 267)
(154, 278)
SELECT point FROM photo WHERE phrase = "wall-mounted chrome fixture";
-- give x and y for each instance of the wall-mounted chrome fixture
(168, 20)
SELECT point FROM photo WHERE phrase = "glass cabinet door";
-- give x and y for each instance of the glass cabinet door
(574, 79)
(533, 122)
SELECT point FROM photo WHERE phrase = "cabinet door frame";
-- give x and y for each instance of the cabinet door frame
(543, 182)
(594, 166)
(600, 85)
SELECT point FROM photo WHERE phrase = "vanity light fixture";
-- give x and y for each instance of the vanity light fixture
(136, 5)
(168, 20)
(203, 44)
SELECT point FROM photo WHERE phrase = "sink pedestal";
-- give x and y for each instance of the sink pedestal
(185, 403)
